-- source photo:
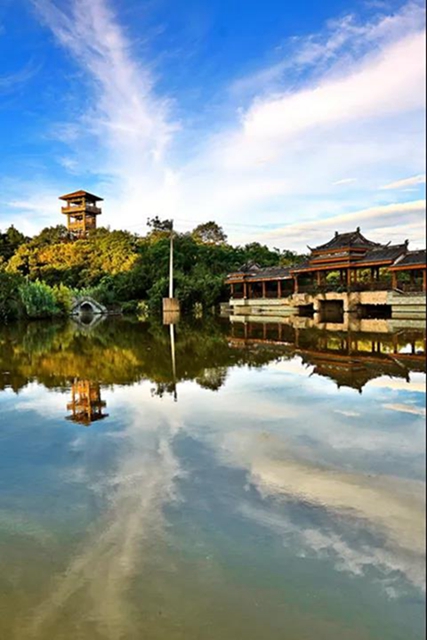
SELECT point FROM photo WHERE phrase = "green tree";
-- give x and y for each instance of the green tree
(10, 300)
(10, 241)
(209, 233)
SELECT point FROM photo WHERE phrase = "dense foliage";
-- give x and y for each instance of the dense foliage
(39, 276)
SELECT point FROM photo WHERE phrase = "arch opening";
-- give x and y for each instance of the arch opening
(87, 307)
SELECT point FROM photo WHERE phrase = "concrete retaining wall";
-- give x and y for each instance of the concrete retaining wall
(402, 305)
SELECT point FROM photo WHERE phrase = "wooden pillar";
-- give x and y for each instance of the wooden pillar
(279, 288)
(245, 290)
(348, 278)
(372, 275)
(395, 345)
(411, 276)
(264, 294)
(295, 284)
(424, 280)
(232, 290)
(318, 278)
(394, 279)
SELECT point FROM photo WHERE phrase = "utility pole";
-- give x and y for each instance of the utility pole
(171, 263)
(170, 304)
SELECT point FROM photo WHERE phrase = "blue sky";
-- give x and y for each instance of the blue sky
(283, 121)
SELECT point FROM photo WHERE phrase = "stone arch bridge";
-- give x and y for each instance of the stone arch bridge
(87, 305)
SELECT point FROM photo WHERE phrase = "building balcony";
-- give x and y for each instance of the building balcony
(80, 209)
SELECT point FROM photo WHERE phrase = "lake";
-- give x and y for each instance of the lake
(211, 481)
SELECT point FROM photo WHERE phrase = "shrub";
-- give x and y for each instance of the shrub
(39, 300)
(10, 300)
(63, 297)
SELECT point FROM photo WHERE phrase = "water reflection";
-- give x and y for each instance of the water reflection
(86, 405)
(349, 358)
(265, 503)
(124, 352)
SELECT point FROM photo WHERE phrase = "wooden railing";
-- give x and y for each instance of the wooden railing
(81, 209)
(313, 289)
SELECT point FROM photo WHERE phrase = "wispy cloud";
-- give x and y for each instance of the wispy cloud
(406, 182)
(127, 128)
(11, 82)
(404, 220)
(344, 181)
(354, 108)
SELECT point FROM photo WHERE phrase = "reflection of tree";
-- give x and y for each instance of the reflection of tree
(163, 388)
(212, 378)
(118, 351)
(86, 405)
(123, 351)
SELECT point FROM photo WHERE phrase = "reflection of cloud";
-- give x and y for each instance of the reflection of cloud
(347, 555)
(393, 509)
(112, 553)
(406, 408)
(348, 414)
(417, 383)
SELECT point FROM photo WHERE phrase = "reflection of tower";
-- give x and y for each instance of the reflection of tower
(86, 404)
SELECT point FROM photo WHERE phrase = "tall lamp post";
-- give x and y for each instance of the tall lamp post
(170, 304)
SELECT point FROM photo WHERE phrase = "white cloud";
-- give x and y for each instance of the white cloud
(385, 84)
(359, 112)
(126, 131)
(344, 181)
(406, 182)
(400, 217)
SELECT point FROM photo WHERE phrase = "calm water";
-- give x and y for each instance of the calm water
(263, 483)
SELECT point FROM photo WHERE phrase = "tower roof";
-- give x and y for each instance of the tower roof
(81, 194)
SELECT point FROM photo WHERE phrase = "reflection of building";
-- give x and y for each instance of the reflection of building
(86, 404)
(81, 210)
(350, 359)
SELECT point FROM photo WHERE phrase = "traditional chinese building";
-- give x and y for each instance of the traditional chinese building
(81, 210)
(348, 262)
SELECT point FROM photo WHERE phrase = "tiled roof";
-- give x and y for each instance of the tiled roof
(271, 272)
(258, 273)
(411, 258)
(249, 267)
(383, 253)
(303, 266)
(351, 239)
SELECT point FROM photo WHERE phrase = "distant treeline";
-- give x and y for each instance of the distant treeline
(39, 276)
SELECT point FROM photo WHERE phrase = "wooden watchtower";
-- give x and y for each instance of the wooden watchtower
(81, 210)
